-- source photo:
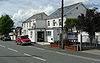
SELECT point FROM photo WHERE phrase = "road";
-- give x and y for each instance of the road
(12, 53)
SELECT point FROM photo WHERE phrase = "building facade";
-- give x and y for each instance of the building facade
(35, 27)
(43, 28)
(54, 20)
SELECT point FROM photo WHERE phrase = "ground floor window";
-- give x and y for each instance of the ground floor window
(31, 33)
(48, 33)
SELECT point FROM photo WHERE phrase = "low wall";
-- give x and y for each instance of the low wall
(71, 48)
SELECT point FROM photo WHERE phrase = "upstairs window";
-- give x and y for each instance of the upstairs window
(60, 23)
(29, 24)
(24, 24)
(48, 23)
(54, 23)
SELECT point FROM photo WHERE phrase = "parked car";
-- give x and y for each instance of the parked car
(1, 36)
(5, 37)
(21, 40)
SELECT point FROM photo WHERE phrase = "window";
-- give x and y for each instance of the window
(54, 23)
(24, 24)
(60, 23)
(48, 23)
(29, 24)
(24, 37)
(48, 33)
(31, 34)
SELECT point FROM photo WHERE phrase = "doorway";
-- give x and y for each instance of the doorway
(40, 36)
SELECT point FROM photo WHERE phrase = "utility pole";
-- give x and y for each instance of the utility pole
(62, 44)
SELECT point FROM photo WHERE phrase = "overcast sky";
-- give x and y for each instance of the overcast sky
(20, 10)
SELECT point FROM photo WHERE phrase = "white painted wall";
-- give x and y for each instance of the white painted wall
(74, 13)
(57, 22)
(85, 37)
(50, 38)
(32, 37)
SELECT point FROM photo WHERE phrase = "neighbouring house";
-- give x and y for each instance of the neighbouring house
(35, 27)
(54, 21)
(15, 32)
(18, 31)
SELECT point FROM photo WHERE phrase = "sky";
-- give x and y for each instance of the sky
(20, 10)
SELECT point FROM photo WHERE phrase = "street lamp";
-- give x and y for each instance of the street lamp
(62, 11)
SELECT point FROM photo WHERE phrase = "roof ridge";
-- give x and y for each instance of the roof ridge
(71, 5)
(39, 13)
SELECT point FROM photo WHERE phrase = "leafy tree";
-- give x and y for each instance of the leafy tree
(6, 24)
(89, 23)
(70, 23)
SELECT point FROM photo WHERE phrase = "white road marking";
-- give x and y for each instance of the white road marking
(12, 49)
(35, 57)
(2, 46)
(40, 58)
(38, 48)
(86, 58)
(27, 54)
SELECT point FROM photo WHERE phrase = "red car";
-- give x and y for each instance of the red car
(21, 40)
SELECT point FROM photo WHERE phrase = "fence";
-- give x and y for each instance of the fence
(86, 44)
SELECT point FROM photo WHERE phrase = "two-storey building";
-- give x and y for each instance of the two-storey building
(54, 20)
(35, 27)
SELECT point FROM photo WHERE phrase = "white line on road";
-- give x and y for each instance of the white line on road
(27, 54)
(38, 48)
(40, 58)
(12, 49)
(2, 46)
(35, 57)
(86, 58)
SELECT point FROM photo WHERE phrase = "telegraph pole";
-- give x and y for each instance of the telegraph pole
(62, 44)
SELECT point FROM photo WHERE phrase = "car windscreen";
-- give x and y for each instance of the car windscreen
(24, 37)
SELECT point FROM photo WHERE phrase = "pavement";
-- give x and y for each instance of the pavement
(94, 53)
(12, 53)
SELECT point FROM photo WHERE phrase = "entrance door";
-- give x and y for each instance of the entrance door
(40, 36)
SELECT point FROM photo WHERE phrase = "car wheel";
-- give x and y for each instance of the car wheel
(21, 44)
(16, 42)
(3, 39)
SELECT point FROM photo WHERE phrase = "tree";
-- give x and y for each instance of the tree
(70, 23)
(89, 23)
(6, 24)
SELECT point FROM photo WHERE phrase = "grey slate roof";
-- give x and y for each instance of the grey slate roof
(57, 13)
(39, 16)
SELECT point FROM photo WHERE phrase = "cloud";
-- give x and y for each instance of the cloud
(20, 10)
(3, 0)
(22, 15)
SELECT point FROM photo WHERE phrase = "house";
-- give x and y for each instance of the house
(35, 27)
(15, 32)
(54, 20)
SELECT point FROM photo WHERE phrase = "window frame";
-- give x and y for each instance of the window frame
(60, 22)
(54, 23)
(48, 23)
(48, 33)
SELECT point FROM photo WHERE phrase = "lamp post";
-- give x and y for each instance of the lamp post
(62, 44)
